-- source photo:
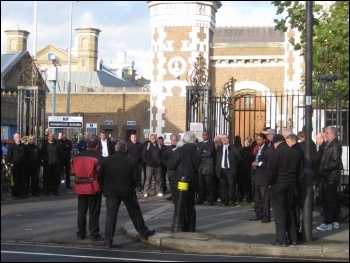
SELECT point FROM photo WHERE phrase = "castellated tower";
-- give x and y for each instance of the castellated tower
(181, 30)
(87, 38)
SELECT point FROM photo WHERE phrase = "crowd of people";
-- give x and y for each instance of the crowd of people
(267, 170)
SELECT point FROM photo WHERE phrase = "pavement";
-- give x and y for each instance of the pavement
(227, 230)
(224, 230)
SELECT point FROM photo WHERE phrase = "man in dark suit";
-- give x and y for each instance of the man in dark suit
(206, 170)
(15, 158)
(260, 178)
(118, 178)
(226, 169)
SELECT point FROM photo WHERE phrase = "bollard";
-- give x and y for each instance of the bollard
(180, 205)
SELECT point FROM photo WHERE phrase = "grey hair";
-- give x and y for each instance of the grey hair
(189, 137)
(287, 131)
(332, 129)
(121, 146)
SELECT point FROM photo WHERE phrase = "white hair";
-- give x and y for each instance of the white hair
(189, 137)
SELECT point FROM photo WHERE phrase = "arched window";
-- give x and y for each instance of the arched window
(12, 45)
(84, 43)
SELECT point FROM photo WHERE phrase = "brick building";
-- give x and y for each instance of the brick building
(260, 59)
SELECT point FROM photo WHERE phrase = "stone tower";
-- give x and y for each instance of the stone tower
(16, 39)
(87, 47)
(181, 30)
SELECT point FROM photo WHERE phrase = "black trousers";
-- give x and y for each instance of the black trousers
(244, 186)
(282, 200)
(134, 210)
(93, 204)
(171, 180)
(19, 179)
(32, 180)
(65, 167)
(262, 202)
(228, 187)
(206, 187)
(330, 202)
(51, 178)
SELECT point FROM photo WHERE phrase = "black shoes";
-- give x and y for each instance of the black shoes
(265, 220)
(199, 202)
(255, 219)
(148, 234)
(96, 238)
(276, 244)
(81, 237)
(110, 246)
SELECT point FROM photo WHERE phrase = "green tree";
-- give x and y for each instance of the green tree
(330, 37)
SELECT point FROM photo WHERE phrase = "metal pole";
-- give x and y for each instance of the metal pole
(69, 64)
(35, 28)
(308, 173)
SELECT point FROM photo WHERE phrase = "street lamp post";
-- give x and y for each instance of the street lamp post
(308, 173)
(69, 64)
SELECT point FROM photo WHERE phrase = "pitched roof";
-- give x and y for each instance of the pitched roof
(8, 61)
(94, 79)
(247, 35)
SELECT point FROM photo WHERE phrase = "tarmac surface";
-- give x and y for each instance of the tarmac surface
(224, 230)
(227, 230)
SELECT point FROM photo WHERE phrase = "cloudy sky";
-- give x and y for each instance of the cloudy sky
(124, 25)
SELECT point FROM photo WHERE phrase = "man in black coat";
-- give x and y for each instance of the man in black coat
(260, 179)
(51, 154)
(185, 164)
(16, 160)
(283, 169)
(118, 178)
(226, 170)
(330, 167)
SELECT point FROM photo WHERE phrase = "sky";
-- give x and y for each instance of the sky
(124, 25)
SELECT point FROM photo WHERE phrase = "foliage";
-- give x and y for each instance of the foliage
(330, 37)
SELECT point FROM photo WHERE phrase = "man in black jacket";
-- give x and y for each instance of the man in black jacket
(330, 167)
(105, 144)
(118, 178)
(283, 168)
(16, 160)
